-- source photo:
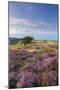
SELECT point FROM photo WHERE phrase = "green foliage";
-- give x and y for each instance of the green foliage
(46, 49)
(14, 40)
(27, 40)
(45, 41)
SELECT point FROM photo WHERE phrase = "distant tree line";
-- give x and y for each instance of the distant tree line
(25, 40)
(14, 40)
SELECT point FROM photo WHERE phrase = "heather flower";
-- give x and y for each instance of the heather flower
(29, 69)
(52, 54)
(27, 79)
(48, 61)
(12, 75)
(45, 55)
(37, 57)
(49, 78)
(38, 66)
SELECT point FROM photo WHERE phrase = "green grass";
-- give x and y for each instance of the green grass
(33, 45)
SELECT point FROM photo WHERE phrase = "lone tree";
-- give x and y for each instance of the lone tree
(27, 40)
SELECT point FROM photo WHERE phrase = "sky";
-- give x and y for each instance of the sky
(33, 19)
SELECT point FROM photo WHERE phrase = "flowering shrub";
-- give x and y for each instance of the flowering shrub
(48, 61)
(49, 78)
(27, 79)
(38, 66)
(45, 55)
(35, 68)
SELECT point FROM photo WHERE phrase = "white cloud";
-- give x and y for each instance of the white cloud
(25, 27)
(12, 31)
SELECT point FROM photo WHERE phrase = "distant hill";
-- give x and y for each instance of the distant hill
(13, 40)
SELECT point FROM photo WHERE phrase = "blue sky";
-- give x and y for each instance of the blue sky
(33, 19)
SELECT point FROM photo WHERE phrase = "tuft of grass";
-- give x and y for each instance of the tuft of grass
(46, 49)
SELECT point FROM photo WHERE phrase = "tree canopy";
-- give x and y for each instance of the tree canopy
(27, 39)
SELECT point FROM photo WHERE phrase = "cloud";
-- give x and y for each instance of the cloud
(22, 27)
(24, 22)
